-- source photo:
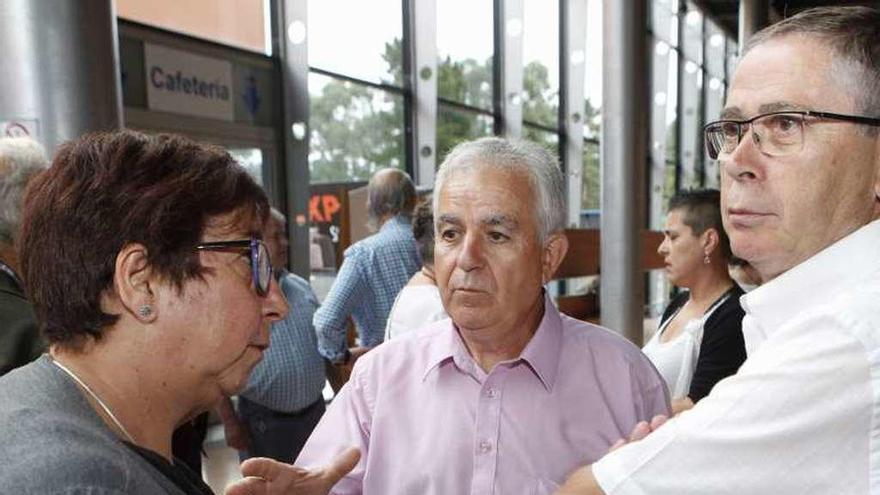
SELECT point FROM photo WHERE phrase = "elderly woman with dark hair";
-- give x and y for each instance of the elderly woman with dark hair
(700, 340)
(144, 262)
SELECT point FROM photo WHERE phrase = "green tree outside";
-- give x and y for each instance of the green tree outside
(356, 129)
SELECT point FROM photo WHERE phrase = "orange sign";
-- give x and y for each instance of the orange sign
(322, 207)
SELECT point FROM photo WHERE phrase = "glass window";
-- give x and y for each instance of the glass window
(356, 38)
(455, 125)
(714, 104)
(658, 298)
(693, 34)
(690, 154)
(591, 186)
(252, 161)
(541, 62)
(664, 128)
(548, 139)
(715, 56)
(664, 21)
(464, 52)
(240, 23)
(593, 71)
(732, 57)
(355, 130)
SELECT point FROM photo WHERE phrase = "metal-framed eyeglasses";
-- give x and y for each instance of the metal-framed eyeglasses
(261, 266)
(774, 133)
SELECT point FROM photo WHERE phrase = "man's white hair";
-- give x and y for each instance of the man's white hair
(541, 167)
(20, 160)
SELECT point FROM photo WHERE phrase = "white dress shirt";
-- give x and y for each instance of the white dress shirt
(802, 415)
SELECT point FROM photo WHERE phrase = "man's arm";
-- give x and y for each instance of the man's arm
(581, 482)
(265, 476)
(346, 424)
(233, 428)
(681, 405)
(330, 319)
(754, 421)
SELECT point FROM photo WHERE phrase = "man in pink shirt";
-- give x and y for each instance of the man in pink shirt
(509, 396)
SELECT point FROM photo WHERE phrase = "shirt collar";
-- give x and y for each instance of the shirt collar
(815, 281)
(541, 354)
(395, 222)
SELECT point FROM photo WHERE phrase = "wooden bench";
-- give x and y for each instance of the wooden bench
(582, 260)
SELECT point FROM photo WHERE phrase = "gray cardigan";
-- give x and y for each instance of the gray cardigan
(53, 442)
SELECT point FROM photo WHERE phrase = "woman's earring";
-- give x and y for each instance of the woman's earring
(706, 259)
(145, 311)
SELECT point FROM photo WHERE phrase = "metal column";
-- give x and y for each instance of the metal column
(421, 20)
(509, 62)
(625, 97)
(753, 16)
(573, 40)
(61, 69)
(290, 48)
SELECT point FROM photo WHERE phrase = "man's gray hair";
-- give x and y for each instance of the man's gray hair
(540, 165)
(853, 33)
(390, 192)
(20, 160)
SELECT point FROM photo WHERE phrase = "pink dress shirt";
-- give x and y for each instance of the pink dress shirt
(429, 420)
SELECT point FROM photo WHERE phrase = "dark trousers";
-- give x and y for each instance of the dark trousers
(277, 435)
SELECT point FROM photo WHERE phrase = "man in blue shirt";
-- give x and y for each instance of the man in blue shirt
(282, 402)
(374, 271)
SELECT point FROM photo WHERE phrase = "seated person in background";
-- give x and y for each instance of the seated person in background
(507, 396)
(419, 302)
(143, 260)
(21, 159)
(700, 339)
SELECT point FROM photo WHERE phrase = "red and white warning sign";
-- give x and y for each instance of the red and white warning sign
(19, 128)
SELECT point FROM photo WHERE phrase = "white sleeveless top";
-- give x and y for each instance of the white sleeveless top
(676, 359)
(414, 306)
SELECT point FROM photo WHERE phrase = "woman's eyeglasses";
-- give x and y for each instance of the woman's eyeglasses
(261, 267)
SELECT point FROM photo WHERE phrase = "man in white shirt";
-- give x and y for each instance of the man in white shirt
(800, 158)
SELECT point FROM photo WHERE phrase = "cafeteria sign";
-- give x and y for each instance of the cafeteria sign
(182, 82)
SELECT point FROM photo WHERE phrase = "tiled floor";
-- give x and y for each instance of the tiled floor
(219, 462)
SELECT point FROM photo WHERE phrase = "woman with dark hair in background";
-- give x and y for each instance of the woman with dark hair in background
(418, 303)
(699, 340)
(144, 262)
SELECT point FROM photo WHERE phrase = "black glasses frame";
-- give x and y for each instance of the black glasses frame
(253, 244)
(742, 124)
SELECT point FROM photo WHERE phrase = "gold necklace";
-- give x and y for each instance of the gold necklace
(97, 399)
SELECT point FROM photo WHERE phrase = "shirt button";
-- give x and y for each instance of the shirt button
(491, 393)
(485, 446)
